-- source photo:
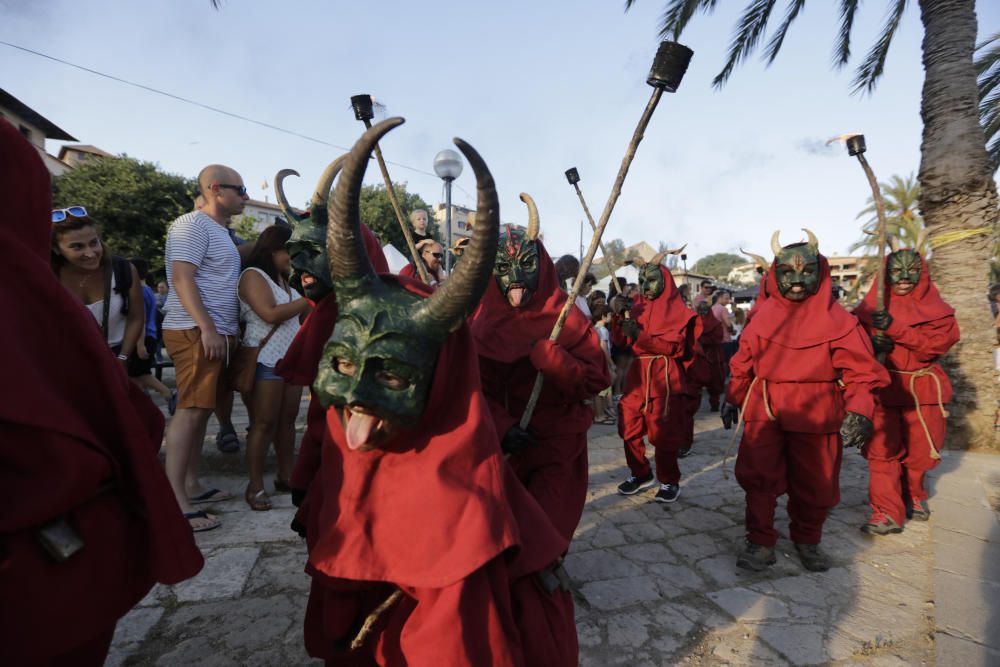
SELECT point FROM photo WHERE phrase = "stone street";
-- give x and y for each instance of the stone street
(655, 584)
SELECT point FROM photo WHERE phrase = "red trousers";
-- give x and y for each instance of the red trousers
(667, 434)
(899, 456)
(555, 474)
(691, 405)
(772, 462)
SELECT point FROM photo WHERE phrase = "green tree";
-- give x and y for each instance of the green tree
(246, 228)
(902, 219)
(377, 213)
(717, 265)
(958, 197)
(132, 201)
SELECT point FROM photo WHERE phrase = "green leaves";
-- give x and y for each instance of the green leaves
(987, 60)
(717, 265)
(377, 213)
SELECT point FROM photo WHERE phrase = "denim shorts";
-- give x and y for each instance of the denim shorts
(265, 373)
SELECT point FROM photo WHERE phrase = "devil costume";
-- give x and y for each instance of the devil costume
(423, 547)
(710, 336)
(914, 330)
(804, 376)
(512, 329)
(655, 404)
(91, 522)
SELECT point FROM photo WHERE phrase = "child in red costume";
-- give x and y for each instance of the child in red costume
(512, 328)
(78, 455)
(804, 376)
(913, 331)
(654, 405)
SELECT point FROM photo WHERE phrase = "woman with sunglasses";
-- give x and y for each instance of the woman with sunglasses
(109, 286)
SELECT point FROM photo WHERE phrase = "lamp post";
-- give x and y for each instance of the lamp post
(448, 167)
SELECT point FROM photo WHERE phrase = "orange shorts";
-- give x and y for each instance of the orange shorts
(200, 381)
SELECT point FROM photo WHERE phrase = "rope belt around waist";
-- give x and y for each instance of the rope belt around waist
(913, 375)
(648, 375)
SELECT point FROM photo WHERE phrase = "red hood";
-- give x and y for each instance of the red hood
(666, 313)
(922, 304)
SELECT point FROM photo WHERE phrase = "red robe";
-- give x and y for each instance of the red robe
(78, 441)
(698, 374)
(451, 542)
(654, 403)
(513, 346)
(923, 329)
(800, 366)
(710, 341)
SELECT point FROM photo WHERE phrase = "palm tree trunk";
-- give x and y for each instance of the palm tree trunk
(958, 193)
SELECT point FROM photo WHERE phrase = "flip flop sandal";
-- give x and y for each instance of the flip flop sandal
(259, 501)
(227, 442)
(211, 496)
(201, 515)
(608, 421)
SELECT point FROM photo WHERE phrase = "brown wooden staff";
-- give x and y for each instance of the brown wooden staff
(573, 176)
(668, 70)
(363, 111)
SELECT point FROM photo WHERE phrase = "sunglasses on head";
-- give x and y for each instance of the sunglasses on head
(241, 190)
(60, 214)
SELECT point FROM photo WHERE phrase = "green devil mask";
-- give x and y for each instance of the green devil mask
(516, 267)
(904, 270)
(651, 280)
(378, 366)
(797, 267)
(307, 246)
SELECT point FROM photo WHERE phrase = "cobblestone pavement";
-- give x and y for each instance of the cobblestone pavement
(655, 584)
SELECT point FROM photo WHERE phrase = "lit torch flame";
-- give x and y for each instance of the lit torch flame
(842, 138)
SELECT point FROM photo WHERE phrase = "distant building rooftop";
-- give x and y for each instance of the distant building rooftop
(50, 129)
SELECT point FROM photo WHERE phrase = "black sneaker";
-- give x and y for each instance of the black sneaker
(668, 493)
(683, 452)
(919, 511)
(634, 485)
(756, 557)
(812, 558)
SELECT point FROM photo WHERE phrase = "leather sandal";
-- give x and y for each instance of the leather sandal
(258, 501)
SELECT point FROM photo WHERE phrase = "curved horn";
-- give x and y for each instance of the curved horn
(458, 297)
(813, 241)
(322, 194)
(344, 246)
(279, 192)
(677, 251)
(533, 223)
(757, 259)
(894, 244)
(658, 257)
(775, 243)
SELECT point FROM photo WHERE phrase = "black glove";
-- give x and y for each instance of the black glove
(882, 343)
(631, 329)
(730, 415)
(855, 430)
(516, 439)
(881, 319)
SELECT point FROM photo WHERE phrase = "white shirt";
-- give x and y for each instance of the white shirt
(116, 321)
(257, 328)
(581, 303)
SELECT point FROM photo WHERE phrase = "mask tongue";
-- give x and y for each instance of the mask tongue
(514, 296)
(360, 426)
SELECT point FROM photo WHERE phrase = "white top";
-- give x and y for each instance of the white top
(581, 303)
(257, 328)
(197, 239)
(116, 321)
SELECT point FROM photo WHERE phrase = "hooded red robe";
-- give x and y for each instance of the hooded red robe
(905, 443)
(710, 341)
(463, 544)
(78, 441)
(654, 403)
(513, 345)
(800, 366)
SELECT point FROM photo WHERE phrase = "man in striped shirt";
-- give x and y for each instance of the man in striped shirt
(201, 329)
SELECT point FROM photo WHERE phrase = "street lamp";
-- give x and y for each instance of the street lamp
(448, 167)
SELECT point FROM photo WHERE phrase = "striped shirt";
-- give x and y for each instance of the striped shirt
(197, 239)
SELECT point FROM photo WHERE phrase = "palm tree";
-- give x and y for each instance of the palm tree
(903, 221)
(988, 69)
(958, 197)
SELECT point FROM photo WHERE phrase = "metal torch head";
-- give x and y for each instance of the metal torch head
(362, 105)
(856, 145)
(573, 176)
(669, 66)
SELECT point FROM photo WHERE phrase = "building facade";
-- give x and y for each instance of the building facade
(34, 127)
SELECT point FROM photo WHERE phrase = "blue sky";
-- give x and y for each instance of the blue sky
(535, 87)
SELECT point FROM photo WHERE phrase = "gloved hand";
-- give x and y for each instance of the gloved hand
(882, 343)
(730, 415)
(856, 430)
(517, 439)
(881, 319)
(631, 329)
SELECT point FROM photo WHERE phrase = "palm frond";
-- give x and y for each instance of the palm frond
(773, 46)
(749, 31)
(871, 69)
(678, 14)
(216, 4)
(987, 60)
(842, 52)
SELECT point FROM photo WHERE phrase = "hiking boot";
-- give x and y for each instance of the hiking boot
(919, 511)
(683, 452)
(881, 523)
(756, 557)
(634, 485)
(812, 558)
(668, 493)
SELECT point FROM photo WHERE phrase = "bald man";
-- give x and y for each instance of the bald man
(432, 254)
(200, 329)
